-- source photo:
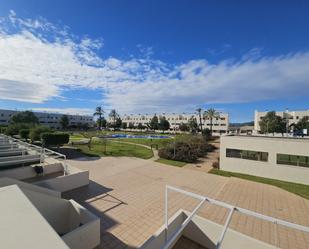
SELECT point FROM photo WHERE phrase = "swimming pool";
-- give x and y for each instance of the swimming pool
(134, 136)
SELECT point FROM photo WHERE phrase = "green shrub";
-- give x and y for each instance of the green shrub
(13, 129)
(186, 149)
(55, 138)
(179, 151)
(35, 133)
(24, 133)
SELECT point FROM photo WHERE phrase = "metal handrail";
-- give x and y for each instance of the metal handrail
(171, 240)
(44, 152)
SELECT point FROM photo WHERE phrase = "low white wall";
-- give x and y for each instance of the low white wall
(87, 235)
(205, 233)
(5, 181)
(159, 238)
(268, 169)
(76, 178)
(26, 172)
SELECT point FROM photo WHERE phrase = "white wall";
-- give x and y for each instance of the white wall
(270, 169)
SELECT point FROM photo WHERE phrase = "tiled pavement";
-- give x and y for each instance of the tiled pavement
(128, 195)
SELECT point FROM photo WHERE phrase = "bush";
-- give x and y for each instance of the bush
(35, 133)
(13, 129)
(187, 149)
(24, 133)
(183, 152)
(55, 138)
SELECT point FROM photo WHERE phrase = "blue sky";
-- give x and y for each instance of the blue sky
(152, 56)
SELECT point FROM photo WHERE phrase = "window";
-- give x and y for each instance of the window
(302, 161)
(247, 154)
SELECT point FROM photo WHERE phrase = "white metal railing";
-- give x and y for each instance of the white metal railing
(169, 241)
(44, 152)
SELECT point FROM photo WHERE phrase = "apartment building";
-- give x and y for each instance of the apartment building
(51, 120)
(282, 158)
(220, 124)
(292, 116)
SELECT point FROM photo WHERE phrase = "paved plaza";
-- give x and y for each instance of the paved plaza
(128, 195)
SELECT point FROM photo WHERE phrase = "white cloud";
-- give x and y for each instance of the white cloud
(38, 60)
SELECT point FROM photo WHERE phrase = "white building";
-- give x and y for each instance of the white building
(51, 120)
(280, 158)
(220, 124)
(292, 116)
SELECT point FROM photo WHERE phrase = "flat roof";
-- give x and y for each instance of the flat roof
(306, 139)
(22, 225)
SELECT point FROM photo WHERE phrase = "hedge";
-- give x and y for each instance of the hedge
(55, 138)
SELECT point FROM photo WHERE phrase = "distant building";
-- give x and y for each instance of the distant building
(51, 120)
(220, 124)
(280, 158)
(292, 116)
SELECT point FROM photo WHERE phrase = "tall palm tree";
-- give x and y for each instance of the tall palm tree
(113, 115)
(99, 112)
(210, 114)
(199, 112)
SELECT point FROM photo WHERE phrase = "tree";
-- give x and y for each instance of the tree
(131, 125)
(64, 122)
(24, 133)
(99, 112)
(192, 123)
(199, 112)
(114, 116)
(303, 123)
(118, 123)
(154, 123)
(124, 125)
(26, 117)
(140, 126)
(184, 127)
(164, 124)
(272, 123)
(35, 133)
(211, 114)
(101, 121)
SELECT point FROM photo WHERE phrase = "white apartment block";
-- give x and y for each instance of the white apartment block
(51, 120)
(220, 124)
(293, 117)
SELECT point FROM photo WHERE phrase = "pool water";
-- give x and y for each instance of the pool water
(135, 136)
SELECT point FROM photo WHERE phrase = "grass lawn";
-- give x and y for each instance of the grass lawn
(76, 137)
(116, 149)
(171, 162)
(296, 188)
(156, 143)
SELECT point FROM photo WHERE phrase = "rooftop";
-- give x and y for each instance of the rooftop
(128, 195)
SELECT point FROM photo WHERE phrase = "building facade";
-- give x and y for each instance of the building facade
(220, 124)
(51, 120)
(280, 158)
(292, 116)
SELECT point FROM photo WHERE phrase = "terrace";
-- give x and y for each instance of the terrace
(128, 196)
(40, 166)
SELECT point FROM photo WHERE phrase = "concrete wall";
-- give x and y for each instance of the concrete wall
(75, 179)
(28, 172)
(270, 169)
(5, 181)
(205, 233)
(87, 235)
(159, 238)
(78, 228)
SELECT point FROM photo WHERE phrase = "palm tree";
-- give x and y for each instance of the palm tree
(113, 115)
(199, 112)
(211, 114)
(99, 112)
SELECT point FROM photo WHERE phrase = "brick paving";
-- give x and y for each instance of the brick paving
(128, 195)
